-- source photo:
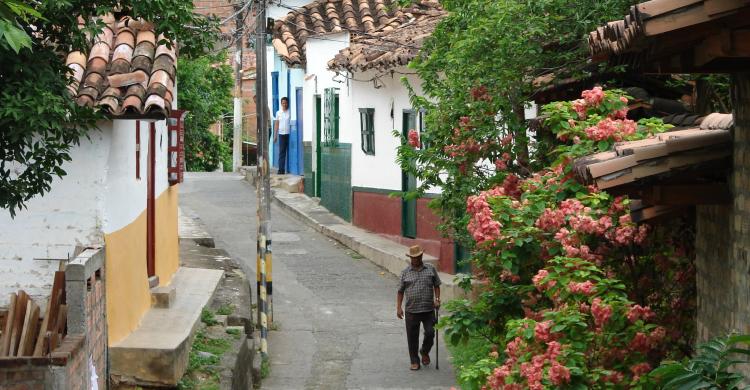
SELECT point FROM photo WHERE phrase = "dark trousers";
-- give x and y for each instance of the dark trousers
(413, 320)
(283, 147)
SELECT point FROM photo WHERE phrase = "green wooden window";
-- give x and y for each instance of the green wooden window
(331, 117)
(367, 128)
(424, 140)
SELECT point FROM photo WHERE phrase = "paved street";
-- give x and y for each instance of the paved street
(334, 311)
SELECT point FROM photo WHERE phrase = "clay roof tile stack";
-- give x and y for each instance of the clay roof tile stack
(126, 72)
(655, 28)
(708, 140)
(390, 46)
(358, 17)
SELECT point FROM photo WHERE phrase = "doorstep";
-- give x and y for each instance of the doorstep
(156, 353)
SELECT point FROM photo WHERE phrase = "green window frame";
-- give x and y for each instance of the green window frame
(331, 117)
(422, 139)
(367, 130)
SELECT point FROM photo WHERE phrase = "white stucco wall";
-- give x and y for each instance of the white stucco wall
(277, 11)
(99, 195)
(380, 170)
(317, 78)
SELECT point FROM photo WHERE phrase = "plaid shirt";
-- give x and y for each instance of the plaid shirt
(418, 288)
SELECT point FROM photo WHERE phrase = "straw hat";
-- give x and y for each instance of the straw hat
(415, 251)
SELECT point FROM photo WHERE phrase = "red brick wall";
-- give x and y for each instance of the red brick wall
(26, 377)
(62, 369)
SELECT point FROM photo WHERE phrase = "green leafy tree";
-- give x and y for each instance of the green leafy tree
(477, 71)
(206, 92)
(38, 119)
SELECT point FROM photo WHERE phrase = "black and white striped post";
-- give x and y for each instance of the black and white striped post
(263, 185)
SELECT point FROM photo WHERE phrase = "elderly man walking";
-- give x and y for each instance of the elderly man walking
(420, 285)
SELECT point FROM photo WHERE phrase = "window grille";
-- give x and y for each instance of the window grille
(331, 117)
(367, 128)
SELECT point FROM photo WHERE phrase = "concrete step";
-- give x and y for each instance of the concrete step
(156, 353)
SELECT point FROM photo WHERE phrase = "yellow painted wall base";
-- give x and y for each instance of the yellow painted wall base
(167, 241)
(128, 295)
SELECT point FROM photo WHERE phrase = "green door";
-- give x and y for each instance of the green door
(408, 183)
(318, 151)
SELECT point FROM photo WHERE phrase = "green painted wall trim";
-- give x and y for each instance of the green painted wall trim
(388, 192)
(309, 179)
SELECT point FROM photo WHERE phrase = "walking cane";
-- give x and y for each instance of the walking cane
(437, 354)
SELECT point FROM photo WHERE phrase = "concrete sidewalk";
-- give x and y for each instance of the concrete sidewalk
(374, 247)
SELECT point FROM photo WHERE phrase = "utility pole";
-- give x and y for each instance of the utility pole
(263, 184)
(237, 133)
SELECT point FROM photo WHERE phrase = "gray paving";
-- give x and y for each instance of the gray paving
(335, 312)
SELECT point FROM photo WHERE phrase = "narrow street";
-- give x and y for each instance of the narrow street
(335, 325)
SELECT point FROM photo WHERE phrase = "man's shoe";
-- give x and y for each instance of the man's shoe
(414, 367)
(425, 359)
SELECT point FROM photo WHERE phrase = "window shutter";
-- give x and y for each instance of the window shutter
(176, 146)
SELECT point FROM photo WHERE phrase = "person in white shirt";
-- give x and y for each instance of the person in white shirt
(281, 129)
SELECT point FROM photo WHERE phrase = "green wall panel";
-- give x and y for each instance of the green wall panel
(309, 178)
(336, 183)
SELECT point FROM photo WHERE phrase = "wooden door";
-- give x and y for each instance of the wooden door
(151, 203)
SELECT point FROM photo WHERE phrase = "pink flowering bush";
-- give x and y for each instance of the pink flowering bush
(583, 339)
(579, 294)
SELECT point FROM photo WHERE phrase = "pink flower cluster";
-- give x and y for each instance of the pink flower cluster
(629, 234)
(532, 371)
(539, 280)
(640, 369)
(638, 312)
(601, 312)
(594, 96)
(414, 139)
(585, 288)
(588, 225)
(550, 220)
(571, 206)
(611, 129)
(482, 226)
(542, 331)
(464, 148)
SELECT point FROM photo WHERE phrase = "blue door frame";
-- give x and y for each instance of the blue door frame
(275, 105)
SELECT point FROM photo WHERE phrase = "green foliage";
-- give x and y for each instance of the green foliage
(479, 64)
(225, 309)
(206, 92)
(201, 371)
(208, 317)
(472, 361)
(265, 367)
(709, 369)
(39, 122)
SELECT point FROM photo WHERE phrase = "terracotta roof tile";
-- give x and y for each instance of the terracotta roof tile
(393, 44)
(125, 73)
(635, 160)
(359, 17)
